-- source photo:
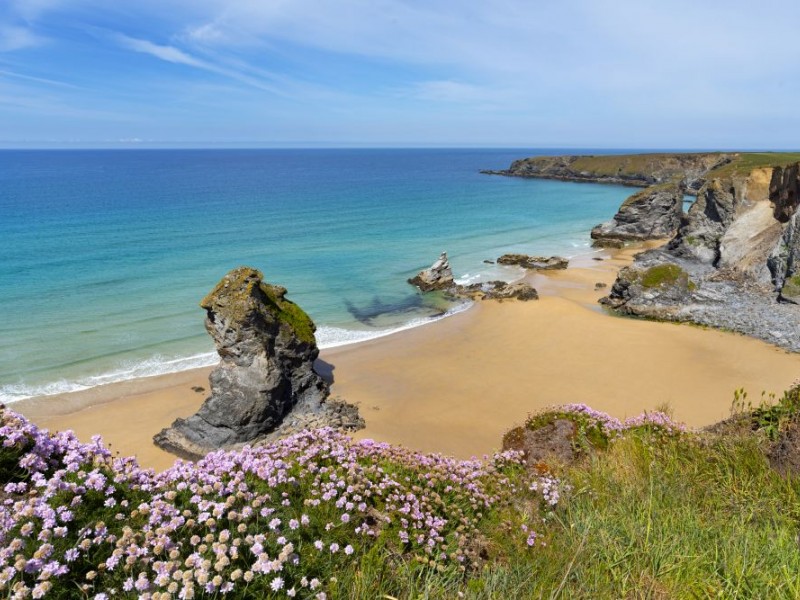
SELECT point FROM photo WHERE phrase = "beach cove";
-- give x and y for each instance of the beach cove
(456, 385)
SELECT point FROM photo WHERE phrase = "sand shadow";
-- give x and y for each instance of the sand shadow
(325, 370)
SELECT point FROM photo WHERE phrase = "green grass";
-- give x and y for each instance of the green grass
(666, 274)
(747, 161)
(791, 287)
(692, 516)
(628, 164)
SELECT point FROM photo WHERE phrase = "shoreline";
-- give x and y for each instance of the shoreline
(457, 387)
(357, 336)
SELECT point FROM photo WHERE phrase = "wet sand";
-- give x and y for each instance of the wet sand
(455, 386)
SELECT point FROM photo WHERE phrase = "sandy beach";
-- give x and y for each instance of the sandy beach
(455, 386)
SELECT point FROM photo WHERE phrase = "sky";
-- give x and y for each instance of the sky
(699, 74)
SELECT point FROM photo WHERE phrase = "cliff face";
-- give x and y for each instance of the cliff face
(652, 213)
(642, 170)
(739, 248)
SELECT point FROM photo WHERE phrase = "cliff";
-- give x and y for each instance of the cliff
(640, 170)
(735, 257)
(691, 170)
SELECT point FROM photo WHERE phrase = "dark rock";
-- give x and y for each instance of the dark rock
(438, 277)
(553, 442)
(597, 258)
(704, 224)
(608, 243)
(267, 350)
(488, 262)
(654, 292)
(198, 388)
(498, 290)
(600, 285)
(784, 453)
(653, 213)
(541, 263)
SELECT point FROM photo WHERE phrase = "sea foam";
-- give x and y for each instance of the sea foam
(327, 337)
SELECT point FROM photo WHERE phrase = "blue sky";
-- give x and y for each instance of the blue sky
(572, 73)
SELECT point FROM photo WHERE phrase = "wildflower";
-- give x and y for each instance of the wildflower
(276, 584)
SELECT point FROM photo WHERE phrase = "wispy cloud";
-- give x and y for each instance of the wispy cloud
(168, 53)
(44, 80)
(13, 37)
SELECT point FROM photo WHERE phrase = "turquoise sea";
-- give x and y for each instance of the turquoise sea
(104, 255)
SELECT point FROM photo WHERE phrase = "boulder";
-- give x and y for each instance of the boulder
(267, 350)
(498, 290)
(653, 213)
(657, 291)
(540, 263)
(438, 277)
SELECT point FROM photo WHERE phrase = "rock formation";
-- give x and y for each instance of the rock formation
(539, 263)
(687, 169)
(653, 213)
(499, 290)
(438, 277)
(267, 351)
(739, 247)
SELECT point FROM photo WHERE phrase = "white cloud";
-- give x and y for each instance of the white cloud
(13, 38)
(166, 53)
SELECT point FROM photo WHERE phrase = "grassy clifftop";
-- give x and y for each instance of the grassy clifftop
(643, 509)
(692, 169)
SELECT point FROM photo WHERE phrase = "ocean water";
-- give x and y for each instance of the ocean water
(104, 255)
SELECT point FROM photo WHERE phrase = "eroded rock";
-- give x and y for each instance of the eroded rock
(539, 263)
(498, 290)
(439, 276)
(653, 213)
(267, 350)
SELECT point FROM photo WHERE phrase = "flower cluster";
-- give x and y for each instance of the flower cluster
(270, 521)
(613, 427)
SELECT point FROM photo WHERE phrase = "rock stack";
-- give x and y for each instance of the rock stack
(266, 371)
(439, 276)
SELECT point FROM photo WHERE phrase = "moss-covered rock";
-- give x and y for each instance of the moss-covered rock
(664, 275)
(242, 294)
(267, 351)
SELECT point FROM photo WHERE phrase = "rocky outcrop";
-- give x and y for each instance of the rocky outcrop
(498, 290)
(784, 260)
(653, 213)
(267, 351)
(439, 276)
(701, 231)
(538, 263)
(739, 246)
(642, 170)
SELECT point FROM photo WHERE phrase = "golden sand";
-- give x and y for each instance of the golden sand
(455, 386)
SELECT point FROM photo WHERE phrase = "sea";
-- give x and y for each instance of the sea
(105, 254)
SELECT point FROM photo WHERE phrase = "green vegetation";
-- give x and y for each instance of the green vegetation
(791, 287)
(745, 162)
(289, 313)
(631, 165)
(643, 509)
(655, 515)
(664, 275)
(234, 298)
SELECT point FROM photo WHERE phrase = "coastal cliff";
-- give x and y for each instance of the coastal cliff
(732, 260)
(639, 170)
